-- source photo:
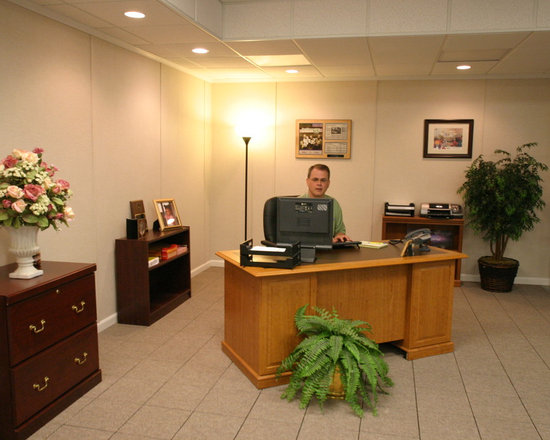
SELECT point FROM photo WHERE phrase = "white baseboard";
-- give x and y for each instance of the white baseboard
(519, 280)
(104, 324)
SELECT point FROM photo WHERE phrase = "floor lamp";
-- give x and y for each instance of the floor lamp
(246, 140)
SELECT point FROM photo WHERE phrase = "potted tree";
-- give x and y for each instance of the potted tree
(335, 352)
(501, 200)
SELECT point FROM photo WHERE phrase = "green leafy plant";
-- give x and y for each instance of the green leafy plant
(501, 197)
(332, 343)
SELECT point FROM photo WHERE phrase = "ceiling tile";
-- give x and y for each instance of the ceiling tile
(405, 56)
(123, 35)
(473, 55)
(170, 34)
(275, 47)
(336, 51)
(279, 60)
(233, 62)
(484, 41)
(347, 71)
(78, 15)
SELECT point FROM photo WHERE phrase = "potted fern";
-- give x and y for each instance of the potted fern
(334, 346)
(501, 199)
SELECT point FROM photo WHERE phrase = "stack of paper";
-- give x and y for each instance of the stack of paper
(373, 244)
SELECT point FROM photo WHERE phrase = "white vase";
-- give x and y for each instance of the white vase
(24, 246)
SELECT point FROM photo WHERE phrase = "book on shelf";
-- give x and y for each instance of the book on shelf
(153, 261)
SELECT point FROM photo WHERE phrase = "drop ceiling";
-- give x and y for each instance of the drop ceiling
(168, 35)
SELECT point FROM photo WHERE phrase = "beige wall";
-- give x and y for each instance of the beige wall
(386, 162)
(119, 126)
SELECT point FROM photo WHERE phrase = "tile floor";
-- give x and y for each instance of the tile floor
(172, 381)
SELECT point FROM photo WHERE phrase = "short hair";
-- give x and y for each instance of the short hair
(318, 166)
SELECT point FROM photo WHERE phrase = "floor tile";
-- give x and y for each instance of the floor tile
(205, 426)
(155, 422)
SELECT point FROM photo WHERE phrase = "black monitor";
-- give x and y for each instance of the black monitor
(296, 219)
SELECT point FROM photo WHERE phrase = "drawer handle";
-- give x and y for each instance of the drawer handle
(79, 361)
(57, 291)
(34, 328)
(39, 388)
(77, 310)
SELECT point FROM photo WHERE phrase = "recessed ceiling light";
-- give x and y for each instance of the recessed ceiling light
(134, 14)
(200, 50)
(292, 71)
(463, 67)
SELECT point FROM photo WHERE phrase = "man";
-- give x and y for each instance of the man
(318, 181)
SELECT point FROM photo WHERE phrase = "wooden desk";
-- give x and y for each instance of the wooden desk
(408, 301)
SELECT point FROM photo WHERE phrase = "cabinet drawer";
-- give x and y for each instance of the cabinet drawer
(42, 321)
(40, 380)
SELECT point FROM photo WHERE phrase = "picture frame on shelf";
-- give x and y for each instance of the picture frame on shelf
(448, 138)
(323, 138)
(137, 211)
(167, 213)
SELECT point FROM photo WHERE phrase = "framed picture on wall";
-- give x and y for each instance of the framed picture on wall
(448, 138)
(323, 138)
(167, 213)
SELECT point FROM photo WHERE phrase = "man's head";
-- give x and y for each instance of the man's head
(318, 180)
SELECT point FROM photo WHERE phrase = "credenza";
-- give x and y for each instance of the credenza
(48, 344)
(447, 233)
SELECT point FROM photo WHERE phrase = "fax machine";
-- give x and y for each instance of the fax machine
(441, 210)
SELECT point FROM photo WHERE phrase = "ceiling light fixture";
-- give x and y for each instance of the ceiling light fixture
(134, 14)
(463, 67)
(200, 50)
(292, 71)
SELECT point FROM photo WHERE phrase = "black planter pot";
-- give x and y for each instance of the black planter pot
(497, 277)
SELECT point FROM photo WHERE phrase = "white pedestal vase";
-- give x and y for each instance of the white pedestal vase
(24, 246)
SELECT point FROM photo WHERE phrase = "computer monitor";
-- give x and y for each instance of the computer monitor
(296, 219)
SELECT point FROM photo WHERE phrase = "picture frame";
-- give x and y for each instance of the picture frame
(137, 211)
(167, 213)
(448, 138)
(323, 138)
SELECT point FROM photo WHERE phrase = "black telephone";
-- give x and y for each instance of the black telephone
(418, 237)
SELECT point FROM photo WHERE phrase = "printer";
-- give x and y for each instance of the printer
(441, 210)
(399, 209)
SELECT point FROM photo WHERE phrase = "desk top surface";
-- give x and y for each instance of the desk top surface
(348, 258)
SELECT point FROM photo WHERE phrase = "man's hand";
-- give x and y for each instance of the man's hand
(340, 238)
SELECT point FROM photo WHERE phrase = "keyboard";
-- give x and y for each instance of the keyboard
(345, 244)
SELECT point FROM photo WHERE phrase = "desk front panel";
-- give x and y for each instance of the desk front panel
(377, 295)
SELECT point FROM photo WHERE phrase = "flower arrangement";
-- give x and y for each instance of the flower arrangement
(29, 194)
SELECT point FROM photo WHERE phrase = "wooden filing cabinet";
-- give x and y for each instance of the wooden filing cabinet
(48, 345)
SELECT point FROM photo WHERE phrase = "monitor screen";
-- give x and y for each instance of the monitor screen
(308, 221)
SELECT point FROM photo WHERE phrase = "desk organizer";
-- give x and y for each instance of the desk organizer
(287, 259)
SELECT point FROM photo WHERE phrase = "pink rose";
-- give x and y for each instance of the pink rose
(19, 206)
(14, 191)
(9, 162)
(38, 150)
(6, 203)
(33, 192)
(63, 184)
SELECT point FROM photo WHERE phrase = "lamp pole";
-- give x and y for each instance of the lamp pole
(246, 140)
